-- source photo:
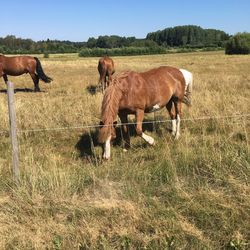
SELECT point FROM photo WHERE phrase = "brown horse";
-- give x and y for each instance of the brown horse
(139, 93)
(106, 70)
(18, 65)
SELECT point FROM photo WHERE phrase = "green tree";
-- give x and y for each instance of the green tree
(238, 44)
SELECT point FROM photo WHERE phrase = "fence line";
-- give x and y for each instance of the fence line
(128, 123)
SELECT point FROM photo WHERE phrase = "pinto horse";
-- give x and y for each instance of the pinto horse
(139, 93)
(106, 69)
(18, 65)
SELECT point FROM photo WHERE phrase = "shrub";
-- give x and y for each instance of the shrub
(238, 44)
(46, 55)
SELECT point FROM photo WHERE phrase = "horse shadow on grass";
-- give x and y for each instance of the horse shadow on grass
(22, 90)
(88, 141)
(93, 89)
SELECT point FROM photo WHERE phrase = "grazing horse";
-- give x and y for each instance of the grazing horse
(106, 69)
(139, 93)
(18, 65)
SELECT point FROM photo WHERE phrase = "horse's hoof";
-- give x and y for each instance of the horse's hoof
(151, 142)
(105, 158)
(177, 136)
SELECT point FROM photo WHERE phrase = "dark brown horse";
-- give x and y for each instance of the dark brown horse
(139, 93)
(18, 65)
(106, 70)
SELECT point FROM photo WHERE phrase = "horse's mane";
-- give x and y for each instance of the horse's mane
(110, 105)
(111, 99)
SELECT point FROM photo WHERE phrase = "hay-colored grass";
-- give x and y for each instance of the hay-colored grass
(187, 194)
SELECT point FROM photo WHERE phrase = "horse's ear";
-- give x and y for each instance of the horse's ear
(115, 123)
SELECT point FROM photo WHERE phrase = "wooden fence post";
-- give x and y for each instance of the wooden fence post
(13, 130)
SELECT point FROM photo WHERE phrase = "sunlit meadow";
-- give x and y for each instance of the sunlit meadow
(188, 194)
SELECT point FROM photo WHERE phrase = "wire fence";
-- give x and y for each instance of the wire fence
(89, 126)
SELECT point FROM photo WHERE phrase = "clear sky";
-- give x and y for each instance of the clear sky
(77, 20)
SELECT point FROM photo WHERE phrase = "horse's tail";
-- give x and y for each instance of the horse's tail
(188, 76)
(110, 106)
(40, 72)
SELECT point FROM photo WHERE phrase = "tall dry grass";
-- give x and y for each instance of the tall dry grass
(187, 194)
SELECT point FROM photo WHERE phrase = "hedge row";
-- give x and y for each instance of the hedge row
(126, 51)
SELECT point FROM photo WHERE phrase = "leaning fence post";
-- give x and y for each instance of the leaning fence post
(13, 130)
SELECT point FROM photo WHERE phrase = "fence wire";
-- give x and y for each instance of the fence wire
(77, 127)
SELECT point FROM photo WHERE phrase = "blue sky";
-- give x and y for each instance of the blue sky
(77, 20)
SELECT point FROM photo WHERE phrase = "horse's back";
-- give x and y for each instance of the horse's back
(151, 88)
(166, 75)
(153, 78)
(12, 60)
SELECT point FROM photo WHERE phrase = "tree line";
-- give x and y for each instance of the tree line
(183, 38)
(13, 45)
(189, 36)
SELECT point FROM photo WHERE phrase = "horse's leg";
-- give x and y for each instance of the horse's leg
(5, 77)
(35, 79)
(102, 81)
(105, 81)
(170, 108)
(139, 119)
(125, 130)
(177, 105)
(1, 72)
(109, 77)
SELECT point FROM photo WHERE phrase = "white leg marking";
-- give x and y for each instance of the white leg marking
(148, 139)
(178, 123)
(174, 127)
(106, 154)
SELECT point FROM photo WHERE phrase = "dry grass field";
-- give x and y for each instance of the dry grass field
(193, 193)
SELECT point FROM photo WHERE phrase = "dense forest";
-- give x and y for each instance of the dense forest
(188, 36)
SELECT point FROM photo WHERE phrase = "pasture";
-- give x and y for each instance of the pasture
(192, 193)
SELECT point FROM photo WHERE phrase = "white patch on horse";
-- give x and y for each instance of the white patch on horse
(148, 139)
(106, 154)
(174, 127)
(155, 108)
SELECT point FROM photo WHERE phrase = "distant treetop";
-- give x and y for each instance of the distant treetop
(189, 35)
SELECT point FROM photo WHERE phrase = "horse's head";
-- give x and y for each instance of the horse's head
(106, 130)
(106, 134)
